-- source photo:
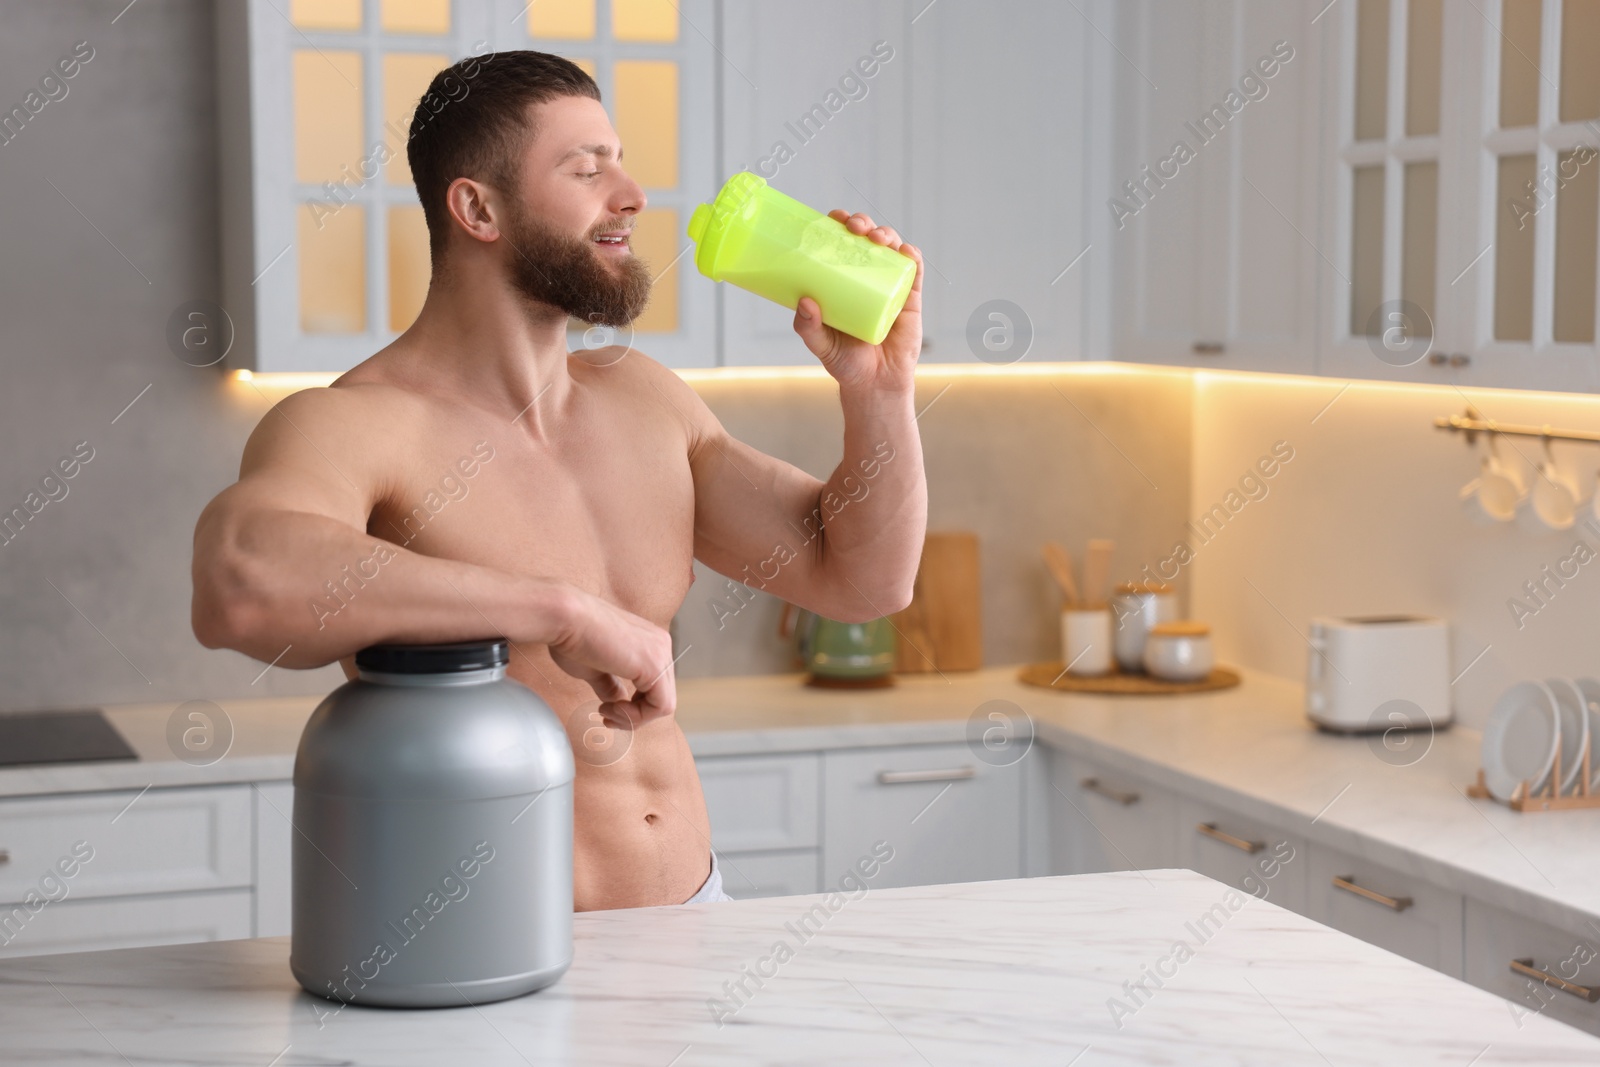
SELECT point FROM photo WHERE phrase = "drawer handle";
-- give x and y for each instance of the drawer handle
(1347, 883)
(1094, 785)
(1211, 831)
(947, 774)
(1583, 992)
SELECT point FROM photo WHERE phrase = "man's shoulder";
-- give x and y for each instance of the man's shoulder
(346, 419)
(650, 387)
(363, 406)
(626, 368)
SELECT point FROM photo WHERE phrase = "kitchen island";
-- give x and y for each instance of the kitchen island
(1149, 967)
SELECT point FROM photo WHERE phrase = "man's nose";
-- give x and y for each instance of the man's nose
(630, 196)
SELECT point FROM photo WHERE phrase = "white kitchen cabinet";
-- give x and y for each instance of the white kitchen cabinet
(748, 875)
(948, 815)
(274, 840)
(1209, 206)
(797, 110)
(1458, 174)
(997, 179)
(1497, 941)
(131, 922)
(1242, 852)
(150, 841)
(1399, 186)
(985, 175)
(765, 814)
(1105, 820)
(167, 919)
(761, 802)
(1399, 912)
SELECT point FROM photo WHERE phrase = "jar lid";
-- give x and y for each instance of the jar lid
(1143, 587)
(475, 655)
(1182, 628)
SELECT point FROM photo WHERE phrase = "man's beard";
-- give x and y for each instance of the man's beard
(568, 273)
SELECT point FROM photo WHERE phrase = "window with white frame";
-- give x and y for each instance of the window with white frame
(329, 253)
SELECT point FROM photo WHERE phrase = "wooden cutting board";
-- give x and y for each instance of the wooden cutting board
(942, 629)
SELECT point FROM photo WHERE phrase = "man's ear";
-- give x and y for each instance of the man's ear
(470, 206)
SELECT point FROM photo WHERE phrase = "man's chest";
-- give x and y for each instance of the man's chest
(610, 513)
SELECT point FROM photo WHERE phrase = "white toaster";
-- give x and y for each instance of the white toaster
(1376, 672)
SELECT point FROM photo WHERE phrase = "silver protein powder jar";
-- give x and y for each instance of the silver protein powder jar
(432, 856)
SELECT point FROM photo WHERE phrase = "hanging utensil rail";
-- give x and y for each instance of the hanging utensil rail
(1473, 423)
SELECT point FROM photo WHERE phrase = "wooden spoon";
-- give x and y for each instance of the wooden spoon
(1059, 562)
(1097, 572)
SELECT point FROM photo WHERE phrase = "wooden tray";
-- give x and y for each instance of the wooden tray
(1050, 676)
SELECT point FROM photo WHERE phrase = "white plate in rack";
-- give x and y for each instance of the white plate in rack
(1591, 693)
(1574, 709)
(1520, 740)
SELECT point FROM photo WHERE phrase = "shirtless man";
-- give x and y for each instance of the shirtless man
(605, 473)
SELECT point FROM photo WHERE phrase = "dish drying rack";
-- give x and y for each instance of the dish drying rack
(1547, 798)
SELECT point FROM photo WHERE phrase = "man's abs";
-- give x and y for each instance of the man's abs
(640, 835)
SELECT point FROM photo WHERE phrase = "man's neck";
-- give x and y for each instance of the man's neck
(490, 342)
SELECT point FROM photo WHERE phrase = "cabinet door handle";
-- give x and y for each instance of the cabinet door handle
(1094, 785)
(5, 855)
(946, 774)
(1207, 348)
(1210, 830)
(1347, 883)
(1583, 992)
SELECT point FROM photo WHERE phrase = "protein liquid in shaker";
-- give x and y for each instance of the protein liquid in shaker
(432, 856)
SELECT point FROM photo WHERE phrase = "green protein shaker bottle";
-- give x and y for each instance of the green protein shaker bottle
(776, 247)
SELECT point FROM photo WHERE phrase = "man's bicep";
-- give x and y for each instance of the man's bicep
(755, 515)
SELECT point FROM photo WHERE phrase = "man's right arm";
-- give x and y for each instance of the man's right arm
(265, 547)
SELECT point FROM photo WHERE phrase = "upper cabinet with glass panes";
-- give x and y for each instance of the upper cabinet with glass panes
(325, 247)
(1536, 141)
(1460, 222)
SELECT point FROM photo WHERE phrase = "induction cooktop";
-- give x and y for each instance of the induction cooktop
(28, 737)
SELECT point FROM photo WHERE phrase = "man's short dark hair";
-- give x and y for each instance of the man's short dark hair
(475, 117)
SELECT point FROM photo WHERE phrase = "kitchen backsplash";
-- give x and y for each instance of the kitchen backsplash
(1365, 518)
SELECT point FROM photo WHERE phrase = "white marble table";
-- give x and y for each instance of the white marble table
(1010, 972)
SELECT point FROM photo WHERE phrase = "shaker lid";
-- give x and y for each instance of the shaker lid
(709, 223)
(454, 657)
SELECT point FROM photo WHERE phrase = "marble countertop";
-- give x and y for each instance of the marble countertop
(1250, 749)
(1026, 971)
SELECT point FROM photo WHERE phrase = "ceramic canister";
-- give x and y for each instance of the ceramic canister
(1179, 651)
(1135, 608)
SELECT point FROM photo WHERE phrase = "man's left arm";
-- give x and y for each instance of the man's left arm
(846, 548)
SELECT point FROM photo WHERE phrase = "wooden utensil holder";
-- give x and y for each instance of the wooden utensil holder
(1546, 799)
